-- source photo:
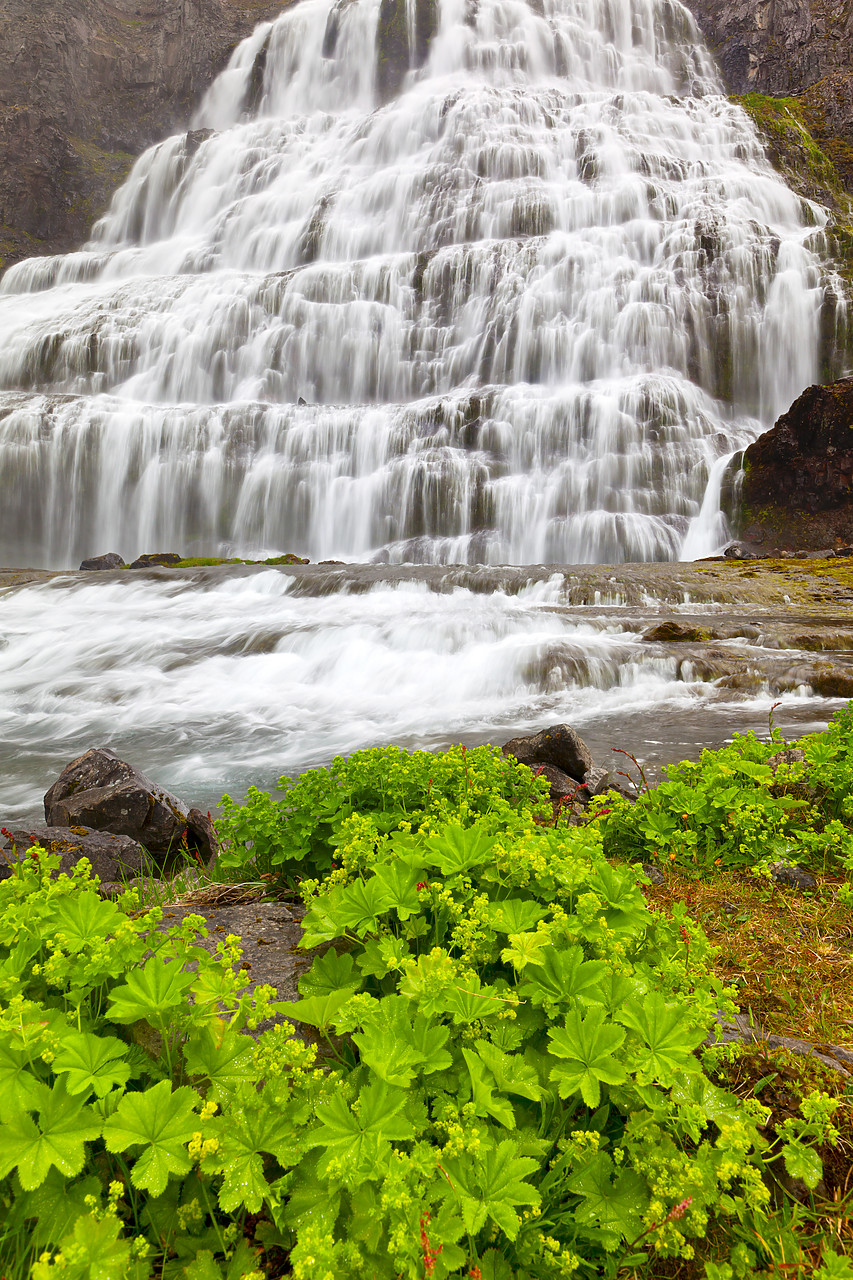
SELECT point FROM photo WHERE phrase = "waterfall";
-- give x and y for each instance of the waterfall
(427, 280)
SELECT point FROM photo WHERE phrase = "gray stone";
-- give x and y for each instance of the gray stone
(111, 560)
(792, 876)
(742, 1030)
(793, 755)
(560, 746)
(560, 783)
(99, 790)
(654, 873)
(113, 857)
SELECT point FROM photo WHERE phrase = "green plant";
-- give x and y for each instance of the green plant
(134, 1104)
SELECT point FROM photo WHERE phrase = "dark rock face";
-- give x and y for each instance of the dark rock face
(783, 48)
(85, 88)
(394, 56)
(798, 484)
(778, 47)
(112, 560)
(112, 856)
(560, 747)
(101, 791)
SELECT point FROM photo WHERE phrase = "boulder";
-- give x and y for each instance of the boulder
(101, 791)
(792, 876)
(798, 478)
(113, 857)
(560, 783)
(559, 746)
(112, 560)
(672, 632)
(166, 559)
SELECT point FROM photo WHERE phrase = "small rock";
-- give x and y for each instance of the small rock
(112, 560)
(672, 632)
(792, 876)
(597, 781)
(167, 559)
(112, 856)
(737, 551)
(101, 791)
(793, 755)
(560, 746)
(654, 873)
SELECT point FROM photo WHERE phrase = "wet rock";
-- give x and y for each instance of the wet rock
(101, 791)
(112, 560)
(560, 783)
(832, 682)
(798, 482)
(401, 47)
(791, 876)
(201, 835)
(737, 551)
(672, 632)
(560, 746)
(113, 857)
(168, 559)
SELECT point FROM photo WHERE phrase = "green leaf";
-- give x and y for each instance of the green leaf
(612, 1200)
(330, 973)
(356, 1137)
(316, 1011)
(91, 1063)
(162, 1121)
(64, 1126)
(20, 1088)
(224, 1056)
(667, 1034)
(86, 919)
(395, 1047)
(359, 905)
(457, 849)
(245, 1139)
(515, 915)
(492, 1186)
(97, 1251)
(483, 1092)
(525, 949)
(587, 1046)
(150, 993)
(803, 1162)
(512, 1074)
(399, 883)
(562, 977)
(380, 955)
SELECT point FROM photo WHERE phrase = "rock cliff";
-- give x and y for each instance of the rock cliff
(792, 49)
(86, 86)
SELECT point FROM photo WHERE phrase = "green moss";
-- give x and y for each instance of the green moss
(204, 562)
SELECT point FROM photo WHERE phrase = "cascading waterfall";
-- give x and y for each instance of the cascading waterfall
(429, 280)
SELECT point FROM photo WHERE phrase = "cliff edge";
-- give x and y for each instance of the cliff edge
(86, 86)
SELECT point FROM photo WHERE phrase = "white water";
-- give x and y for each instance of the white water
(530, 301)
(213, 684)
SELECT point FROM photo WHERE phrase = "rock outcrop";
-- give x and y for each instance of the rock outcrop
(100, 791)
(113, 857)
(86, 87)
(790, 49)
(798, 482)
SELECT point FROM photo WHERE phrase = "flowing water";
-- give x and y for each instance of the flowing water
(211, 681)
(475, 280)
(428, 281)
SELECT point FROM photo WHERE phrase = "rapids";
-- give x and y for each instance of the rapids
(505, 282)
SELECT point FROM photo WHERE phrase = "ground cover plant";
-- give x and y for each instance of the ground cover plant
(517, 1077)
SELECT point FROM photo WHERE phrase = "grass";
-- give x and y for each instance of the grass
(787, 958)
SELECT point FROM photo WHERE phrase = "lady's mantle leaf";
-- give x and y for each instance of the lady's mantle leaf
(492, 1186)
(612, 1203)
(97, 1251)
(669, 1038)
(161, 1120)
(587, 1045)
(457, 849)
(90, 1062)
(58, 1137)
(150, 992)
